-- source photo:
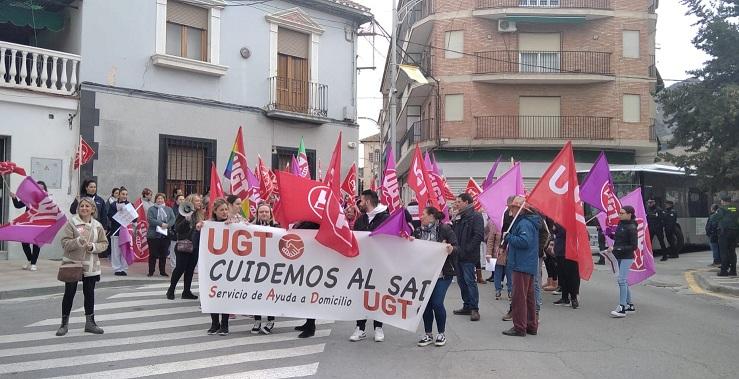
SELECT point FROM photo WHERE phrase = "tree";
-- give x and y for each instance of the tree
(704, 114)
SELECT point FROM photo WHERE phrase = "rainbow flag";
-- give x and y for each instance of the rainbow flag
(238, 148)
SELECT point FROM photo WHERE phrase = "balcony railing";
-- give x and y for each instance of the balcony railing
(544, 127)
(35, 69)
(298, 96)
(652, 130)
(591, 4)
(419, 131)
(520, 61)
(652, 67)
(419, 12)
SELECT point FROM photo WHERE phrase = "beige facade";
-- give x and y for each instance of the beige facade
(370, 160)
(519, 78)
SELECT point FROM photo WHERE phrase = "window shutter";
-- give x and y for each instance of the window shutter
(188, 15)
(631, 44)
(538, 42)
(292, 43)
(632, 108)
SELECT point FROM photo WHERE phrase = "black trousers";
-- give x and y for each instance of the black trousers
(31, 253)
(186, 263)
(362, 324)
(259, 318)
(569, 277)
(671, 237)
(551, 264)
(659, 233)
(727, 250)
(223, 319)
(88, 289)
(158, 249)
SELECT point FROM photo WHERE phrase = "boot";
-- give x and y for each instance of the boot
(479, 276)
(170, 292)
(64, 328)
(91, 326)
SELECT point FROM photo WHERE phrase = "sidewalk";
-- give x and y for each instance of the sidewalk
(707, 279)
(16, 282)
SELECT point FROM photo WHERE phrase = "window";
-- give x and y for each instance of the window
(632, 108)
(631, 43)
(539, 117)
(187, 31)
(454, 107)
(292, 71)
(454, 44)
(285, 154)
(183, 162)
(539, 52)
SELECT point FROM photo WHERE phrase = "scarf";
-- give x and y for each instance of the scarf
(428, 232)
(161, 213)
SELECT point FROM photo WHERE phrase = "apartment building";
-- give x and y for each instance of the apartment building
(518, 78)
(371, 161)
(160, 87)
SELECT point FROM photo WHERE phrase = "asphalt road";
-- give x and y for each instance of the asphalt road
(675, 333)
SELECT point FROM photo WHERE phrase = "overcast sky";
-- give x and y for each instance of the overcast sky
(675, 54)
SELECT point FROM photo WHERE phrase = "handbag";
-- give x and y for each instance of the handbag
(183, 246)
(70, 272)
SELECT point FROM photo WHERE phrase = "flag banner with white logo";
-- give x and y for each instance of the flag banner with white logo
(250, 269)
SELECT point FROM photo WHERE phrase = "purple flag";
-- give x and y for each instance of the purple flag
(427, 161)
(395, 225)
(493, 199)
(42, 220)
(435, 164)
(294, 168)
(598, 185)
(491, 175)
(643, 266)
(124, 241)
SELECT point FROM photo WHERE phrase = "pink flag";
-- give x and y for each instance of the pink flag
(294, 166)
(597, 190)
(491, 174)
(643, 266)
(395, 225)
(40, 223)
(493, 198)
(390, 191)
(124, 241)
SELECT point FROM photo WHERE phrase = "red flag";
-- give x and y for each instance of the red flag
(83, 154)
(320, 172)
(216, 189)
(11, 168)
(373, 183)
(335, 232)
(390, 190)
(350, 182)
(275, 185)
(419, 182)
(474, 190)
(266, 186)
(140, 244)
(556, 195)
(333, 174)
(305, 200)
(448, 194)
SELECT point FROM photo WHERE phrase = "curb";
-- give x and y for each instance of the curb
(706, 284)
(59, 289)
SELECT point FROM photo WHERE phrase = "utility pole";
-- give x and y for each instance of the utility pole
(393, 75)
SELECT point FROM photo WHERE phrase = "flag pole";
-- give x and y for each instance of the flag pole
(512, 222)
(79, 157)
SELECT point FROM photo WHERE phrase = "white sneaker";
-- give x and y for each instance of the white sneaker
(267, 328)
(26, 266)
(379, 335)
(619, 312)
(440, 340)
(358, 335)
(425, 340)
(33, 268)
(256, 328)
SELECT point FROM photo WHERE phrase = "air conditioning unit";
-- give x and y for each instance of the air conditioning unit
(505, 26)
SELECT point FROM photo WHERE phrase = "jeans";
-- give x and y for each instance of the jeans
(501, 271)
(624, 292)
(117, 260)
(467, 280)
(435, 306)
(31, 253)
(88, 289)
(716, 252)
(523, 306)
(537, 286)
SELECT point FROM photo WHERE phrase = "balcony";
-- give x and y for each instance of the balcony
(543, 67)
(652, 67)
(415, 27)
(40, 70)
(543, 128)
(420, 131)
(544, 11)
(297, 100)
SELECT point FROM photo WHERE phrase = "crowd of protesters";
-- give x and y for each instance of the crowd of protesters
(525, 242)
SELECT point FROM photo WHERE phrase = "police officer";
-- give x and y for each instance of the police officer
(654, 219)
(669, 223)
(728, 228)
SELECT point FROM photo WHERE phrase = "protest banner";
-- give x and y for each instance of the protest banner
(250, 269)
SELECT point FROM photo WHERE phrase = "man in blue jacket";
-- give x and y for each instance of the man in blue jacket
(523, 257)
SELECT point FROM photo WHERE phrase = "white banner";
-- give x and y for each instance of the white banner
(126, 214)
(249, 269)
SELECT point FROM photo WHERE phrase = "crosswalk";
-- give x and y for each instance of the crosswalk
(148, 335)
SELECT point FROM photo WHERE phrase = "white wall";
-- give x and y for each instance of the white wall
(26, 120)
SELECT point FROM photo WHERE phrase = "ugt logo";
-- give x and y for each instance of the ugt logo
(317, 199)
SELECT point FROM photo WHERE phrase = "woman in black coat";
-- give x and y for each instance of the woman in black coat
(432, 229)
(625, 242)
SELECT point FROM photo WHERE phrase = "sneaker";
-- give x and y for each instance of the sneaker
(379, 335)
(558, 291)
(307, 333)
(33, 268)
(26, 266)
(223, 331)
(497, 295)
(630, 308)
(515, 333)
(619, 312)
(267, 328)
(425, 340)
(256, 328)
(214, 328)
(440, 340)
(510, 295)
(562, 302)
(475, 316)
(120, 273)
(358, 335)
(508, 317)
